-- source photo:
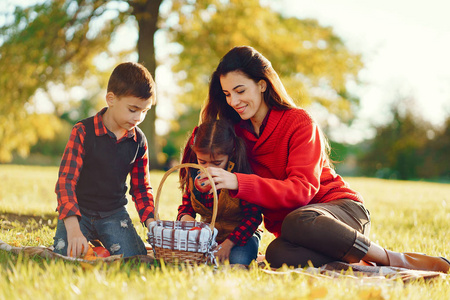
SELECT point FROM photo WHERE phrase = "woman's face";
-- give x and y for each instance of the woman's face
(244, 95)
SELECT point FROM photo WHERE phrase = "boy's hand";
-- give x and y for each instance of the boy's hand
(77, 242)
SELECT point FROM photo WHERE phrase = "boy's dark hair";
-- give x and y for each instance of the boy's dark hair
(216, 137)
(132, 79)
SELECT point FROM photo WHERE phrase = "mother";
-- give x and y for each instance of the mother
(313, 213)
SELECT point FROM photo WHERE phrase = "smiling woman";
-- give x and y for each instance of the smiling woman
(314, 214)
(242, 94)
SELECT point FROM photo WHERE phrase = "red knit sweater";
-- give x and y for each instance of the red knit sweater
(290, 168)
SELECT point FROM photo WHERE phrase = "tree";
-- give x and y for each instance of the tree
(43, 45)
(398, 147)
(312, 60)
(435, 154)
(57, 42)
(146, 14)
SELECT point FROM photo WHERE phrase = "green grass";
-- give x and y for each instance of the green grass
(406, 216)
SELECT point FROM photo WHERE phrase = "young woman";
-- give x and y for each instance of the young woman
(214, 143)
(313, 213)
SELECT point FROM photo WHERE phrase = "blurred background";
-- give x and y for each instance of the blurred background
(374, 74)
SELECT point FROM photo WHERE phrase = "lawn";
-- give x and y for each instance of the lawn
(406, 216)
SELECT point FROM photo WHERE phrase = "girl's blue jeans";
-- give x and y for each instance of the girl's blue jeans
(245, 254)
(116, 232)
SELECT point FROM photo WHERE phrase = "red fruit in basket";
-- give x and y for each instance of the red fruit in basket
(195, 228)
(205, 188)
(101, 251)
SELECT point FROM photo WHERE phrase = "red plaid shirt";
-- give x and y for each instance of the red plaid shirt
(72, 162)
(242, 232)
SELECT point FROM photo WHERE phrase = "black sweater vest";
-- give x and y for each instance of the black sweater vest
(106, 164)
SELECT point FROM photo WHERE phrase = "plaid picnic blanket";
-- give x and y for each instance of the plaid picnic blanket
(47, 252)
(330, 270)
(361, 272)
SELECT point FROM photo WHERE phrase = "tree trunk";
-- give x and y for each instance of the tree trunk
(146, 13)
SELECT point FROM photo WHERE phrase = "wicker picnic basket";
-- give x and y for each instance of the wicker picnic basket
(173, 241)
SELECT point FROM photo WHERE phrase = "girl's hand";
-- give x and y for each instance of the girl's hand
(223, 251)
(187, 218)
(222, 178)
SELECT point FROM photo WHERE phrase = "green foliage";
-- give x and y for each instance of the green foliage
(53, 148)
(49, 43)
(436, 154)
(312, 61)
(176, 140)
(20, 131)
(56, 43)
(408, 148)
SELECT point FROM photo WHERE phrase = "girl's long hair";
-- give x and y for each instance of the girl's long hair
(216, 137)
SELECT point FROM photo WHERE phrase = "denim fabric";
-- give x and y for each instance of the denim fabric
(245, 254)
(116, 232)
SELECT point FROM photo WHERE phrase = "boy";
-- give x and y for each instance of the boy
(101, 152)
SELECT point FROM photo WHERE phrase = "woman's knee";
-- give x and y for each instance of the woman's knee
(298, 221)
(274, 253)
(282, 252)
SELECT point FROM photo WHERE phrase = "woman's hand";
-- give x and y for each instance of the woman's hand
(223, 251)
(222, 178)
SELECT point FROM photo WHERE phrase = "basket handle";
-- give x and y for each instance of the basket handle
(188, 165)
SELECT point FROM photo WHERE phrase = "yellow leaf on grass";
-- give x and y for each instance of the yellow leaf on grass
(318, 292)
(86, 266)
(373, 293)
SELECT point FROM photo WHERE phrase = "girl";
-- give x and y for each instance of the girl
(215, 143)
(311, 210)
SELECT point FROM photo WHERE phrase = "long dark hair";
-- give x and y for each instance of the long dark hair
(216, 137)
(255, 66)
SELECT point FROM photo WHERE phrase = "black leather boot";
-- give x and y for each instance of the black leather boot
(417, 261)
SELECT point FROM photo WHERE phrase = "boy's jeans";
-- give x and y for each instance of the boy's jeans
(116, 233)
(245, 254)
